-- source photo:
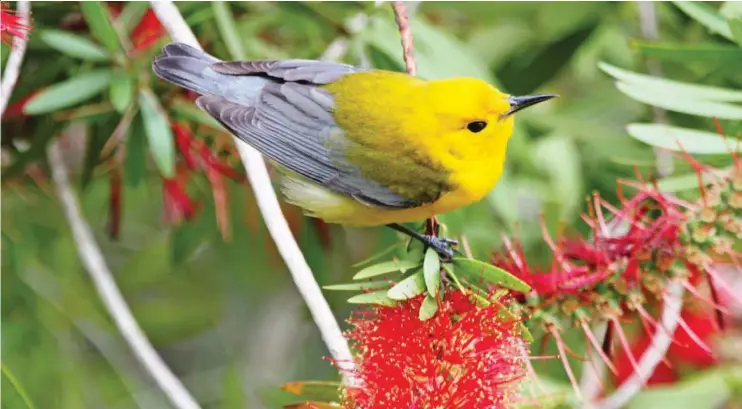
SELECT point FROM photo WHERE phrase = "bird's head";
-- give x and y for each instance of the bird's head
(471, 109)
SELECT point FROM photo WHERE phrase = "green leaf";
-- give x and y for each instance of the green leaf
(68, 93)
(707, 16)
(323, 391)
(709, 53)
(135, 164)
(674, 102)
(428, 308)
(432, 272)
(158, 131)
(132, 14)
(687, 182)
(681, 90)
(99, 133)
(227, 28)
(99, 20)
(379, 255)
(74, 45)
(385, 268)
(673, 138)
(410, 287)
(707, 389)
(476, 271)
(370, 285)
(377, 297)
(735, 26)
(415, 249)
(121, 92)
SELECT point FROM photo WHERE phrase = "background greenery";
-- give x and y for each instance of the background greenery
(221, 307)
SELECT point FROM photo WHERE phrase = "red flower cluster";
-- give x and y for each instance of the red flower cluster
(649, 240)
(197, 155)
(464, 357)
(11, 25)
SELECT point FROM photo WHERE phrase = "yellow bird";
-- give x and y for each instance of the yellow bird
(361, 147)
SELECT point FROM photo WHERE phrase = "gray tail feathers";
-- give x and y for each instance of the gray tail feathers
(187, 67)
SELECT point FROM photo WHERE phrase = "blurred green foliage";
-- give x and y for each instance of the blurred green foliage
(224, 313)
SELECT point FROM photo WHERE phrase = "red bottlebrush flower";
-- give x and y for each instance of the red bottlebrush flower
(11, 25)
(204, 158)
(464, 357)
(178, 205)
(147, 32)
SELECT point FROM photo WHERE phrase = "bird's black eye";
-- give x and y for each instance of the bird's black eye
(476, 126)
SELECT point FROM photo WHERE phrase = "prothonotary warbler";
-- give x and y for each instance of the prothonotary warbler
(360, 147)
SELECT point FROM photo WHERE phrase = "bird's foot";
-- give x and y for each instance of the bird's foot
(441, 245)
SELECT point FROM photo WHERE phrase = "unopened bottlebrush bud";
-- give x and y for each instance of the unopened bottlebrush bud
(735, 200)
(653, 283)
(731, 224)
(696, 256)
(707, 215)
(703, 234)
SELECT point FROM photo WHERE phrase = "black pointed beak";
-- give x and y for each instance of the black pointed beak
(518, 103)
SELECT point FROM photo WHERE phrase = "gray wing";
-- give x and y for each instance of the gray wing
(291, 124)
(310, 71)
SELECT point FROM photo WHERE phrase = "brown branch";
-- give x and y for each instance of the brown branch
(405, 32)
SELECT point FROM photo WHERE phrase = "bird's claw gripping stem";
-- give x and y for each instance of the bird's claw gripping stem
(441, 245)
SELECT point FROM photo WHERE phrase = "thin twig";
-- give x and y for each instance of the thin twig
(15, 59)
(112, 298)
(652, 357)
(405, 32)
(268, 204)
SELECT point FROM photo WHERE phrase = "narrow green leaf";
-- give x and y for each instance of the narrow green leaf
(709, 53)
(415, 249)
(378, 255)
(377, 297)
(158, 131)
(99, 132)
(681, 90)
(428, 308)
(673, 102)
(454, 277)
(121, 92)
(370, 285)
(735, 26)
(68, 93)
(706, 15)
(135, 162)
(74, 45)
(99, 20)
(687, 181)
(324, 391)
(385, 268)
(691, 140)
(477, 271)
(410, 287)
(132, 14)
(432, 272)
(227, 28)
